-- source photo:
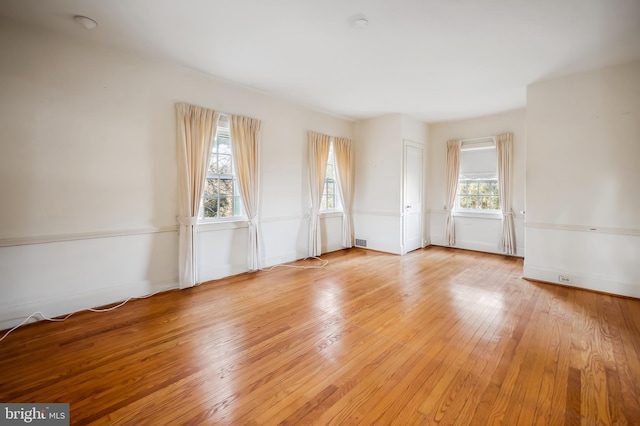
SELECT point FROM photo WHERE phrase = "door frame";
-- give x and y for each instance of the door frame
(409, 143)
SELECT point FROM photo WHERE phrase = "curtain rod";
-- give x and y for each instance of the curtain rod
(478, 139)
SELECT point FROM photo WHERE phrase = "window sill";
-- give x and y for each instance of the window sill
(328, 214)
(496, 215)
(219, 225)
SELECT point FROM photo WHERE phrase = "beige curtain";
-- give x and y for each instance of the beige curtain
(245, 135)
(319, 145)
(196, 128)
(452, 170)
(504, 152)
(344, 162)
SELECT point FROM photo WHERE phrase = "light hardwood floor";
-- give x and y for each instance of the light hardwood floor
(439, 336)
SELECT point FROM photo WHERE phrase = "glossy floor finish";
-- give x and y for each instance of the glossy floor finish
(439, 336)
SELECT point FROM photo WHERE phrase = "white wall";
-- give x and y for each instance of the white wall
(583, 180)
(476, 232)
(377, 198)
(88, 174)
(378, 188)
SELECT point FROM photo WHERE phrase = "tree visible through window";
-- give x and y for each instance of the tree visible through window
(221, 198)
(330, 197)
(481, 194)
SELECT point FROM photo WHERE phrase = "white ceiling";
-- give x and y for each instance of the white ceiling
(432, 59)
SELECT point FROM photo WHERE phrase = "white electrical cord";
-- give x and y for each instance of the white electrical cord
(322, 265)
(46, 318)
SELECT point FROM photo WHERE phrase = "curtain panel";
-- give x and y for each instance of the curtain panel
(504, 153)
(196, 127)
(319, 145)
(245, 139)
(344, 160)
(452, 170)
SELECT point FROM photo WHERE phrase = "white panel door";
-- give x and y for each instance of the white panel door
(412, 196)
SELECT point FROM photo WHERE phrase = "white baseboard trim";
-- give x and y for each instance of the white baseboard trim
(475, 246)
(292, 256)
(585, 281)
(221, 271)
(10, 316)
(283, 258)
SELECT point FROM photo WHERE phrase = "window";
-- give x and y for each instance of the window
(478, 178)
(330, 197)
(221, 199)
(478, 194)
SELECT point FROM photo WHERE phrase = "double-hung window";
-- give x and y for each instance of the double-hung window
(478, 178)
(330, 198)
(221, 197)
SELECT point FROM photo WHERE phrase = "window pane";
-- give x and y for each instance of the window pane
(211, 207)
(213, 165)
(221, 198)
(331, 187)
(237, 204)
(226, 186)
(483, 202)
(493, 188)
(331, 202)
(224, 164)
(226, 207)
(494, 204)
(224, 145)
(466, 202)
(211, 187)
(329, 199)
(480, 194)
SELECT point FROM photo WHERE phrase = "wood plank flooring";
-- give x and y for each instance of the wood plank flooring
(439, 336)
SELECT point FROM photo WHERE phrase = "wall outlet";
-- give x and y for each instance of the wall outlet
(565, 279)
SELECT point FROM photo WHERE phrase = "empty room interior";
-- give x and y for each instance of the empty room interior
(321, 212)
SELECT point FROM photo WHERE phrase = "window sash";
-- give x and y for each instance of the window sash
(330, 200)
(478, 195)
(221, 197)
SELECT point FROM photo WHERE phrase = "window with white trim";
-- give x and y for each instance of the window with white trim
(221, 197)
(330, 198)
(478, 178)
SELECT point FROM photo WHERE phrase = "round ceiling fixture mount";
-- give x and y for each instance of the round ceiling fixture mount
(359, 21)
(87, 23)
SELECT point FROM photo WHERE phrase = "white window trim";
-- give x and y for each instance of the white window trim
(478, 214)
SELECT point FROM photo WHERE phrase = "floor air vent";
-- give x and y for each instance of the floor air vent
(361, 243)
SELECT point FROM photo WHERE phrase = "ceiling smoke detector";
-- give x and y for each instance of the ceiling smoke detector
(87, 23)
(359, 21)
